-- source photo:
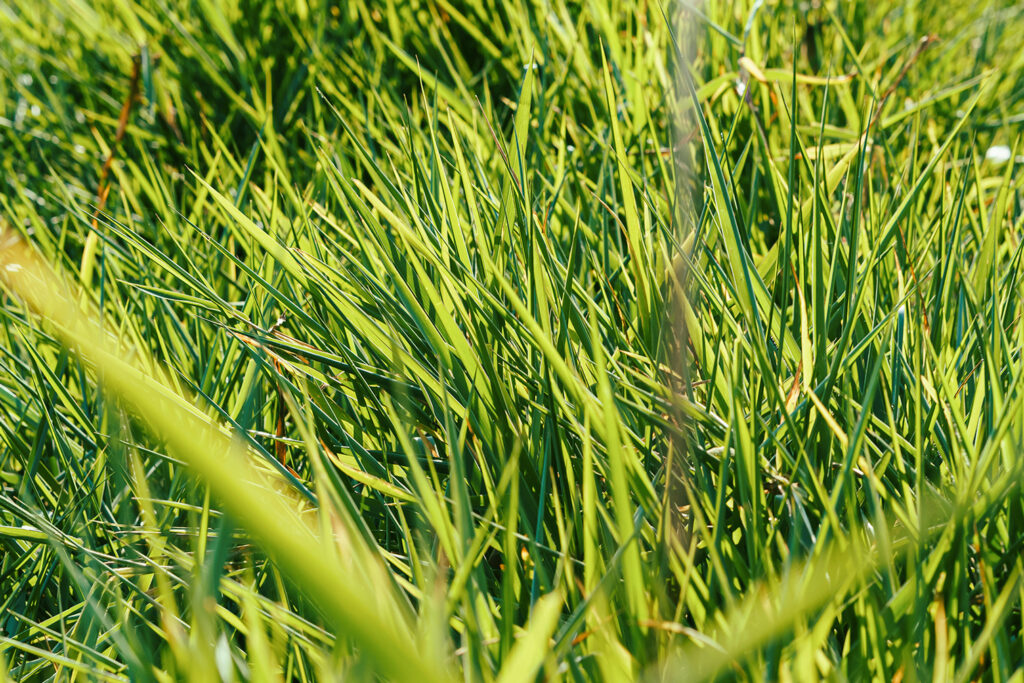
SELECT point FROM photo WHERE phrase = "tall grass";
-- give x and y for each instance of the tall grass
(510, 341)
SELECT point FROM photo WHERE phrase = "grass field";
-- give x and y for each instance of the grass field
(539, 340)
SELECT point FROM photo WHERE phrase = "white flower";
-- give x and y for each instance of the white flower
(998, 154)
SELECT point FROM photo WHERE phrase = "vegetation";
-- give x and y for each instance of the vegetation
(511, 341)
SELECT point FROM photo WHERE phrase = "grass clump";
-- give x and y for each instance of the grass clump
(510, 341)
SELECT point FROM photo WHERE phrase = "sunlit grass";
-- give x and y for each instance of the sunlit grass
(536, 341)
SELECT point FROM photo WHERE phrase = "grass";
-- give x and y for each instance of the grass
(510, 341)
